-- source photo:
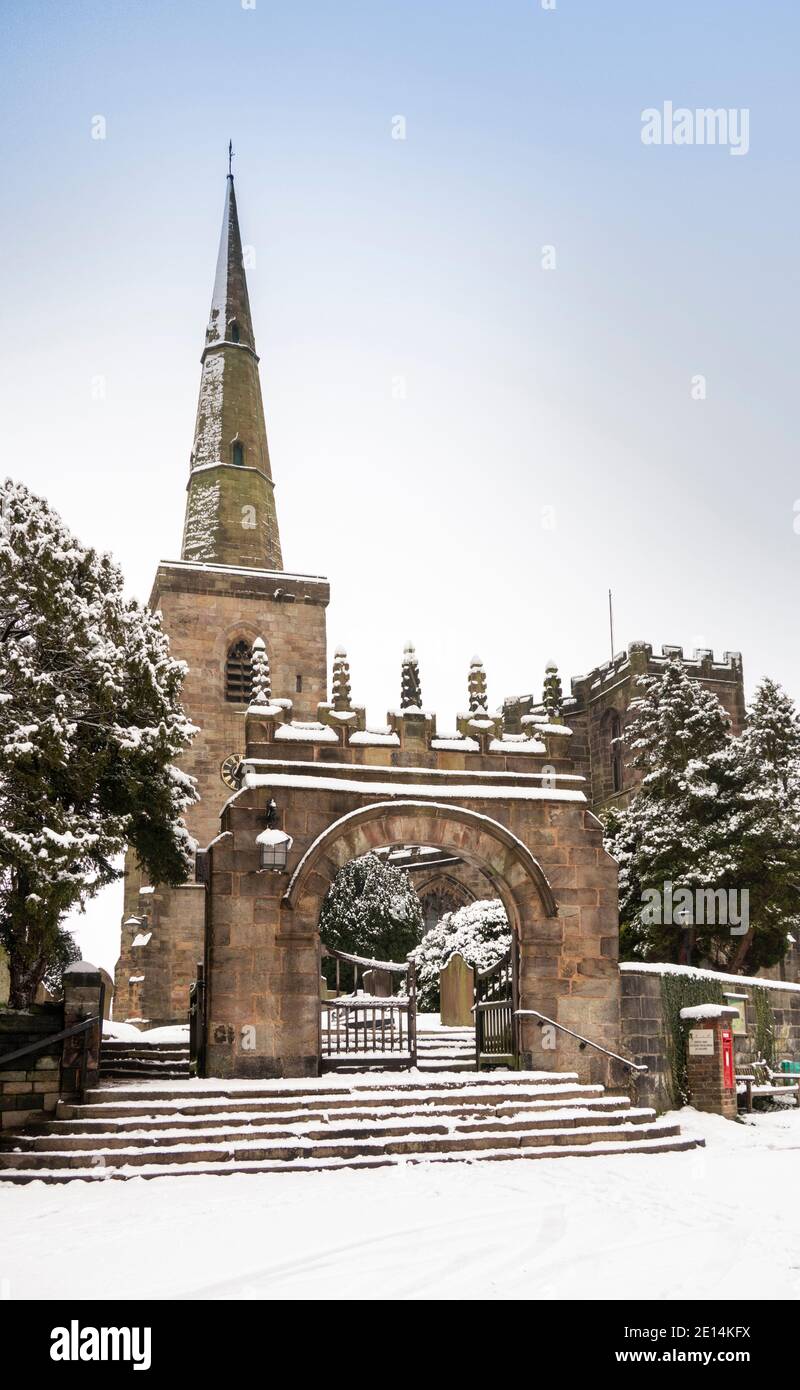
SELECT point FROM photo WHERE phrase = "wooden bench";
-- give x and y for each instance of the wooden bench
(762, 1082)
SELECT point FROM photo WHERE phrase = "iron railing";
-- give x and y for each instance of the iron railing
(83, 1027)
(581, 1040)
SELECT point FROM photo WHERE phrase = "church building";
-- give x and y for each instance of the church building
(229, 593)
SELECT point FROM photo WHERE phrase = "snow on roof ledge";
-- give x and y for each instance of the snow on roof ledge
(635, 967)
(709, 1011)
(409, 790)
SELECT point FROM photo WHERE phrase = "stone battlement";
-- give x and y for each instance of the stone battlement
(641, 660)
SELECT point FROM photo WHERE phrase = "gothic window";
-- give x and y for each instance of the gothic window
(233, 329)
(239, 673)
(238, 453)
(615, 750)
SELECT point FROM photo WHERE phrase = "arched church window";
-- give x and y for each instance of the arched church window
(238, 453)
(239, 673)
(233, 330)
(615, 750)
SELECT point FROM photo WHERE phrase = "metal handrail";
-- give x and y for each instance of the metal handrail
(584, 1042)
(7, 1057)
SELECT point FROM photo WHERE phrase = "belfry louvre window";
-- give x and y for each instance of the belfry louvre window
(239, 673)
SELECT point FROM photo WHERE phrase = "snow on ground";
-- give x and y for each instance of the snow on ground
(128, 1032)
(719, 1222)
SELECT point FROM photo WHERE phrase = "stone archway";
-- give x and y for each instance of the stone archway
(518, 878)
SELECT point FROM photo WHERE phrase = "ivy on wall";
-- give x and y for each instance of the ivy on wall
(682, 992)
(765, 1025)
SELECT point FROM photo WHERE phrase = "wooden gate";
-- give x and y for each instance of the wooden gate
(496, 1004)
(197, 1023)
(369, 1029)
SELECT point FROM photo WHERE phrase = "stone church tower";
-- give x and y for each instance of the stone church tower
(228, 588)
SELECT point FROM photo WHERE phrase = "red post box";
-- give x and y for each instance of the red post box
(729, 1077)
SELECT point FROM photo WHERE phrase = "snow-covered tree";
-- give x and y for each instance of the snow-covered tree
(479, 932)
(372, 910)
(340, 684)
(552, 694)
(477, 687)
(90, 724)
(772, 738)
(410, 687)
(261, 690)
(706, 818)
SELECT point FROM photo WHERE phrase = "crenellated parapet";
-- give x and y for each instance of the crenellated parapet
(510, 739)
(640, 660)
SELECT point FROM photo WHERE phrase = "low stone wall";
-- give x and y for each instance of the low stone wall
(31, 1087)
(29, 1092)
(645, 1029)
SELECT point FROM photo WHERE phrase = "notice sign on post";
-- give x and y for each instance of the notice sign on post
(701, 1042)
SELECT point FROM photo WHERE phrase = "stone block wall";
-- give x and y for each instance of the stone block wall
(645, 1034)
(205, 609)
(29, 1089)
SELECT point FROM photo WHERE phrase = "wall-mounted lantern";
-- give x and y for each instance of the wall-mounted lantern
(274, 846)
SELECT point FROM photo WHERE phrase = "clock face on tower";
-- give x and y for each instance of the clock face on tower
(227, 770)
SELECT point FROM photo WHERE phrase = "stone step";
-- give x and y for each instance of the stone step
(292, 1147)
(316, 1165)
(284, 1112)
(125, 1102)
(319, 1127)
(366, 1082)
(164, 1128)
(163, 1072)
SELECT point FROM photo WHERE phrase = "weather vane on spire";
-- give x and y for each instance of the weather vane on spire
(230, 158)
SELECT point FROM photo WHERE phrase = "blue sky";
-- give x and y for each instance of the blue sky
(420, 260)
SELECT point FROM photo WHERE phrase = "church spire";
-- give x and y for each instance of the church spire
(230, 510)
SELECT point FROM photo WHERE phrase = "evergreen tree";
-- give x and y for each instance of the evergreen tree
(340, 684)
(410, 688)
(552, 694)
(478, 699)
(706, 818)
(261, 692)
(772, 738)
(479, 932)
(90, 723)
(372, 910)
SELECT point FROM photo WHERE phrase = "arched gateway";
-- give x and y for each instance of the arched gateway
(511, 808)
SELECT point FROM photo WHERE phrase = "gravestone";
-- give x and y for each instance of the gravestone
(457, 991)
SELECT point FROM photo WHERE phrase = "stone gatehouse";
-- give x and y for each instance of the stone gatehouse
(524, 828)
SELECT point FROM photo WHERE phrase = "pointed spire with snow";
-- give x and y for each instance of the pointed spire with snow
(340, 684)
(477, 687)
(410, 687)
(230, 320)
(261, 693)
(552, 695)
(230, 511)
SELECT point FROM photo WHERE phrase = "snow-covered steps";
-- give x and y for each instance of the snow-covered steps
(446, 1049)
(162, 1129)
(168, 1061)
